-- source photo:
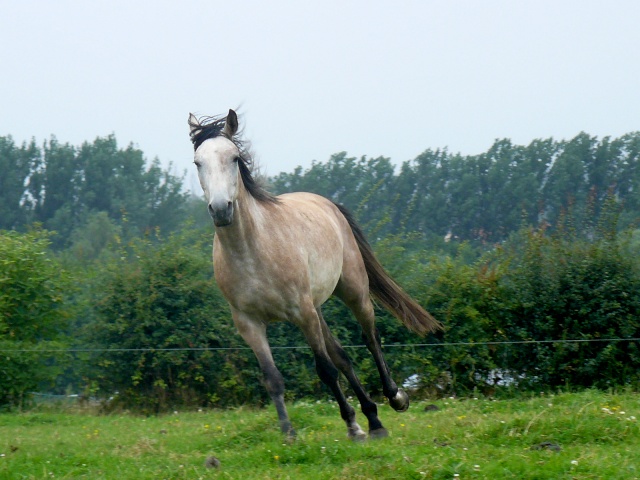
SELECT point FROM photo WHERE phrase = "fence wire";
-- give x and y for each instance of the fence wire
(302, 347)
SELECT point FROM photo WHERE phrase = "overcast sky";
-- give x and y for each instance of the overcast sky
(315, 78)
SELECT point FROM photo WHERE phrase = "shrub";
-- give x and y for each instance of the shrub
(33, 315)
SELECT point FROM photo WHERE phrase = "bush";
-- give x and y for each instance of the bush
(563, 287)
(156, 300)
(33, 315)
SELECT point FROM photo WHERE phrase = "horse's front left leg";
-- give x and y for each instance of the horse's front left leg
(255, 334)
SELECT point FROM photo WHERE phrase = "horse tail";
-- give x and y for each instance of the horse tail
(386, 290)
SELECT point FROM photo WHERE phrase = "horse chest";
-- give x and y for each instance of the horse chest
(267, 290)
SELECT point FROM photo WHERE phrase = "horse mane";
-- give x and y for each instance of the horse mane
(207, 127)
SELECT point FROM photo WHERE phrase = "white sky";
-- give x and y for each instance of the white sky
(315, 78)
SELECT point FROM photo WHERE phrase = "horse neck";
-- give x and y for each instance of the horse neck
(240, 235)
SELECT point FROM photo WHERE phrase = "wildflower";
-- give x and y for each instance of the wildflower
(574, 462)
(206, 426)
(476, 468)
(276, 457)
(402, 424)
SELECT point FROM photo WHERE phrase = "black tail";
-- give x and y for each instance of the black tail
(388, 292)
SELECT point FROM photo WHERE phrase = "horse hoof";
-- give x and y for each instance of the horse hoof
(400, 402)
(378, 433)
(358, 437)
(290, 435)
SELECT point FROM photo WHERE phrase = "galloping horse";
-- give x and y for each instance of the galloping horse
(280, 258)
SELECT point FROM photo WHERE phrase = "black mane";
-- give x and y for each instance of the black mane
(205, 128)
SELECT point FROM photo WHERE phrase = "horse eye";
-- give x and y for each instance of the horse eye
(197, 163)
(236, 159)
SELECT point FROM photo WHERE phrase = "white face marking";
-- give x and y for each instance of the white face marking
(217, 164)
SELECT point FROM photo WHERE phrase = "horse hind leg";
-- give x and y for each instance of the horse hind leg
(328, 372)
(362, 308)
(343, 362)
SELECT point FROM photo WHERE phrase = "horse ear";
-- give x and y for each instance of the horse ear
(231, 126)
(193, 122)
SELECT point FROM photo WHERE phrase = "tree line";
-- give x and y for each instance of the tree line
(482, 197)
(66, 188)
(526, 244)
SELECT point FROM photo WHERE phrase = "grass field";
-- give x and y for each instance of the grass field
(585, 435)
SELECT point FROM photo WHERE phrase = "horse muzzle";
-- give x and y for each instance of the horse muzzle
(222, 214)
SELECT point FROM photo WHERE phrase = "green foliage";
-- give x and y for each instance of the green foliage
(65, 187)
(33, 315)
(481, 198)
(567, 272)
(161, 296)
(571, 288)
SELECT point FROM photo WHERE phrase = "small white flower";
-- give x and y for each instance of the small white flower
(574, 462)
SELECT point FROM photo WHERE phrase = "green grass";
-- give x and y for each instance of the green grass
(597, 433)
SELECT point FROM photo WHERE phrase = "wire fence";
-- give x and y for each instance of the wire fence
(302, 347)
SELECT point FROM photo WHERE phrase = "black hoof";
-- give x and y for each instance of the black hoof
(400, 403)
(378, 433)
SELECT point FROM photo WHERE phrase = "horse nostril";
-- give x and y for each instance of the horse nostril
(229, 204)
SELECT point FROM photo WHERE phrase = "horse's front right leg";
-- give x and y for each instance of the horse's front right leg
(255, 334)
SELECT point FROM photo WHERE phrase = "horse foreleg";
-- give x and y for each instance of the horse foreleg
(255, 334)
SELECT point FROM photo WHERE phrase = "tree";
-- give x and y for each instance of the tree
(16, 164)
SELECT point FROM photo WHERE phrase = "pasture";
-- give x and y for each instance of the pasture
(584, 435)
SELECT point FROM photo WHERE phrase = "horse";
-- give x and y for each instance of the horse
(279, 258)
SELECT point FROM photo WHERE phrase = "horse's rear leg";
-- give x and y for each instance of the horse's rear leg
(255, 334)
(343, 362)
(362, 308)
(312, 329)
